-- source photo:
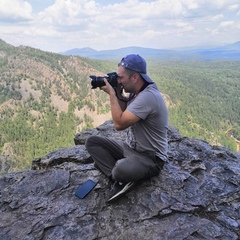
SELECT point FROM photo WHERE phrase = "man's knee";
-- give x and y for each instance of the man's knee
(91, 141)
(122, 171)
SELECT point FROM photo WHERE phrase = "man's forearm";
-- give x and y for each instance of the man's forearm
(122, 100)
(117, 109)
(122, 103)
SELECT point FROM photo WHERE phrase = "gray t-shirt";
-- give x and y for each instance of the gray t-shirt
(150, 132)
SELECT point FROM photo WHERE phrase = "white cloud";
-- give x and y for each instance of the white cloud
(234, 7)
(68, 12)
(80, 23)
(227, 31)
(15, 11)
(217, 17)
(229, 25)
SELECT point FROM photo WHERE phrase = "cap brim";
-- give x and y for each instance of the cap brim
(146, 78)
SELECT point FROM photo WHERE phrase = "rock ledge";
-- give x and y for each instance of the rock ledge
(196, 196)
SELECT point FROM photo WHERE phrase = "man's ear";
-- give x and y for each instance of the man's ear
(135, 78)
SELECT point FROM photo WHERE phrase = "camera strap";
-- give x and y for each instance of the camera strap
(142, 88)
(123, 100)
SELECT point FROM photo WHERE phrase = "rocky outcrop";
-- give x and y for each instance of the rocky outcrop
(196, 196)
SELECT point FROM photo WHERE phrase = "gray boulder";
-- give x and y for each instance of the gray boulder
(196, 196)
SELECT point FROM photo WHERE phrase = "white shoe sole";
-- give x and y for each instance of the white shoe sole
(120, 193)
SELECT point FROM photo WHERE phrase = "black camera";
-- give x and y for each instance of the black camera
(97, 81)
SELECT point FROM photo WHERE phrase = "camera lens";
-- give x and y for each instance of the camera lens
(97, 81)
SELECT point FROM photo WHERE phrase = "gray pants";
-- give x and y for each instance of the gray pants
(121, 163)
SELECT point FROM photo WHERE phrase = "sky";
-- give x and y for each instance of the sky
(61, 25)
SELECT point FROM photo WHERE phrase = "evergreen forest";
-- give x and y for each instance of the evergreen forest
(45, 98)
(204, 99)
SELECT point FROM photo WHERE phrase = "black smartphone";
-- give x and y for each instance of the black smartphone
(85, 188)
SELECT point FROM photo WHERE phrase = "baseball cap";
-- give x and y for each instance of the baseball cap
(136, 63)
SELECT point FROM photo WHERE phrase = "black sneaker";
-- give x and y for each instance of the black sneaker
(118, 190)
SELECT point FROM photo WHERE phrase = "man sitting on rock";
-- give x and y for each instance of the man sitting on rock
(144, 113)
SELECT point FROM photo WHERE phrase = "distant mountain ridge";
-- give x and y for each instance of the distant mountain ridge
(226, 52)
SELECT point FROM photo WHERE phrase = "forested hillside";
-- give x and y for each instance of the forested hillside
(204, 98)
(45, 98)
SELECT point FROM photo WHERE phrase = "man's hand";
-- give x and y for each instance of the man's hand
(122, 118)
(108, 88)
(119, 90)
